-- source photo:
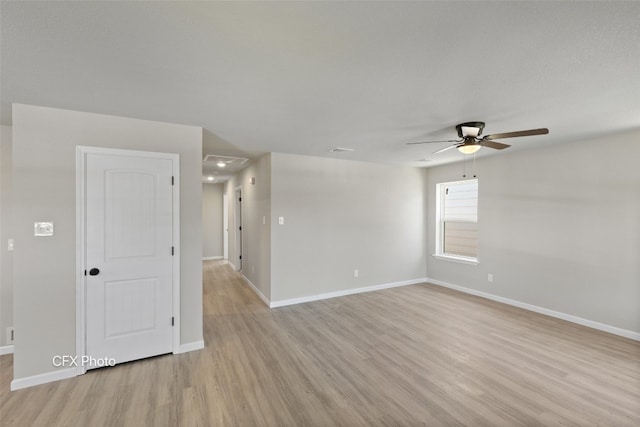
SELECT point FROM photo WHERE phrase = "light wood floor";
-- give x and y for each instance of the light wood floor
(416, 355)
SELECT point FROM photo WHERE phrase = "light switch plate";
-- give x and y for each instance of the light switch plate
(43, 229)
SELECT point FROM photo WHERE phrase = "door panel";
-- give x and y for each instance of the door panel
(129, 240)
(132, 204)
(123, 297)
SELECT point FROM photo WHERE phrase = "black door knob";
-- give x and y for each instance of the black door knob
(94, 272)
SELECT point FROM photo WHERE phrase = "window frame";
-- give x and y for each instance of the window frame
(440, 221)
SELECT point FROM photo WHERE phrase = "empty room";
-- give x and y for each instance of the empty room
(371, 213)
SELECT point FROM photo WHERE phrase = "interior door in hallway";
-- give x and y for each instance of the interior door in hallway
(238, 227)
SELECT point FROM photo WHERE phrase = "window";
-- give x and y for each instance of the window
(457, 220)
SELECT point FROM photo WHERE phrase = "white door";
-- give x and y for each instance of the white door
(238, 226)
(225, 226)
(129, 248)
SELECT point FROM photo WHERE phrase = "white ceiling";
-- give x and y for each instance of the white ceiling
(302, 77)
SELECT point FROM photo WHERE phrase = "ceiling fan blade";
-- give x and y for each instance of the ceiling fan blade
(432, 142)
(541, 131)
(446, 148)
(494, 144)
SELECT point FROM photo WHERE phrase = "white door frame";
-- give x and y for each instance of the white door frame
(225, 225)
(237, 225)
(81, 154)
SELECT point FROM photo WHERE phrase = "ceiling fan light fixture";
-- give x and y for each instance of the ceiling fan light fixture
(221, 164)
(470, 131)
(469, 148)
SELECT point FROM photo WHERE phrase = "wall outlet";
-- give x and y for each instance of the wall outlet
(281, 220)
(10, 245)
(490, 277)
(10, 335)
(356, 273)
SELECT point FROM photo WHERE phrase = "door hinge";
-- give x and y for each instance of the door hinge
(240, 199)
(173, 182)
(240, 228)
(172, 250)
(240, 257)
(85, 272)
(173, 321)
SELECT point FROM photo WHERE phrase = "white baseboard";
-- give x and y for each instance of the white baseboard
(7, 349)
(62, 374)
(257, 291)
(57, 375)
(345, 292)
(232, 266)
(557, 314)
(191, 346)
(211, 258)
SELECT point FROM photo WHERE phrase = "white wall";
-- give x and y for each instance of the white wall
(6, 257)
(559, 228)
(212, 220)
(44, 177)
(341, 215)
(256, 223)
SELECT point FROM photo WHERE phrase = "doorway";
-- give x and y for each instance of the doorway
(238, 227)
(225, 226)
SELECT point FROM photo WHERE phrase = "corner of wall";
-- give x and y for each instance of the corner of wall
(6, 256)
(256, 222)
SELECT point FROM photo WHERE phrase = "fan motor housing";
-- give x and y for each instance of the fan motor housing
(479, 125)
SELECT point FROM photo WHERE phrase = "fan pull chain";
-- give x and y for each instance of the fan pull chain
(464, 165)
(475, 171)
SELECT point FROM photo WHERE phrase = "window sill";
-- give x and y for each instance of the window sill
(461, 260)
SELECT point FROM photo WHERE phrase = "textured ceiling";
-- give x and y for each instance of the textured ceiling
(302, 77)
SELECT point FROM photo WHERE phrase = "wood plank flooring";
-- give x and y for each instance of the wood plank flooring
(416, 355)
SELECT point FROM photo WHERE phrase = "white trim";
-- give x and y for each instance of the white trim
(232, 266)
(328, 295)
(48, 377)
(191, 346)
(211, 258)
(7, 349)
(175, 158)
(557, 314)
(455, 258)
(225, 224)
(257, 291)
(80, 260)
(237, 228)
(81, 152)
